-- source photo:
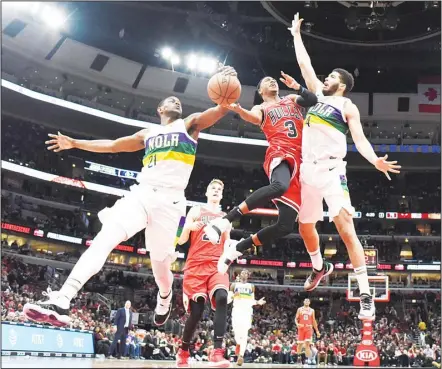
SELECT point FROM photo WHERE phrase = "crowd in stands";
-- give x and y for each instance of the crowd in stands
(416, 192)
(403, 338)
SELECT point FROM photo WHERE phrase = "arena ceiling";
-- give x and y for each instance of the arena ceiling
(253, 36)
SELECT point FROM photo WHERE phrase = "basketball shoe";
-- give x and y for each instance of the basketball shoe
(182, 359)
(229, 255)
(316, 276)
(368, 310)
(217, 360)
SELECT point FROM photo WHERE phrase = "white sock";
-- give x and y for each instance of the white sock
(362, 277)
(92, 260)
(316, 258)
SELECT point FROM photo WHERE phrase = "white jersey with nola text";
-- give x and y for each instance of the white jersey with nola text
(243, 295)
(169, 156)
(325, 129)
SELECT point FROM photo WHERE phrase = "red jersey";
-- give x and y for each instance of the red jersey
(282, 124)
(201, 249)
(306, 316)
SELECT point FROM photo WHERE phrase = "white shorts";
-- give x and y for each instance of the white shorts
(325, 180)
(241, 319)
(159, 210)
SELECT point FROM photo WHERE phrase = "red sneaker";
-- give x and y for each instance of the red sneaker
(182, 359)
(216, 359)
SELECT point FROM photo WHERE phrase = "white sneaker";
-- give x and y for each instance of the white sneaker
(368, 310)
(229, 255)
(215, 229)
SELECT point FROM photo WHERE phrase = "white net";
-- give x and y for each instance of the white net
(378, 287)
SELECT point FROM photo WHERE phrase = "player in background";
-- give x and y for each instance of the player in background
(323, 170)
(281, 121)
(305, 322)
(157, 204)
(243, 295)
(201, 279)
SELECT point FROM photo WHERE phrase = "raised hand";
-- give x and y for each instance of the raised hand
(196, 226)
(261, 301)
(296, 25)
(226, 70)
(385, 166)
(59, 142)
(233, 107)
(289, 81)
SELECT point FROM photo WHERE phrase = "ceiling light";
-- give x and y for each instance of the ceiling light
(166, 53)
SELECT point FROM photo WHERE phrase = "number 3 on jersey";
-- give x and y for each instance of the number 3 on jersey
(205, 238)
(291, 128)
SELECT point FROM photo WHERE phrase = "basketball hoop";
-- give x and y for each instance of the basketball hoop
(379, 288)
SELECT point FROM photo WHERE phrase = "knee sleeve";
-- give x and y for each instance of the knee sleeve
(286, 220)
(197, 308)
(221, 297)
(278, 188)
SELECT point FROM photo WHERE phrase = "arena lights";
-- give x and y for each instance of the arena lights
(53, 16)
(195, 63)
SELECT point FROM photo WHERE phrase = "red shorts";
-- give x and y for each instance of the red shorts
(305, 334)
(274, 156)
(203, 280)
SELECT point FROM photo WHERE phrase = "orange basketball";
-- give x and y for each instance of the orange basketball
(224, 89)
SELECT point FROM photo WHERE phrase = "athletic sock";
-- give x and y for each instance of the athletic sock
(316, 259)
(362, 278)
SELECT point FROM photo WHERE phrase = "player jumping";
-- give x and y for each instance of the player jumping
(323, 170)
(281, 121)
(243, 295)
(157, 204)
(306, 322)
(201, 278)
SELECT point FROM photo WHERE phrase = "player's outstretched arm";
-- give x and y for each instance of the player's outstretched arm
(363, 145)
(304, 62)
(200, 121)
(254, 116)
(132, 143)
(190, 224)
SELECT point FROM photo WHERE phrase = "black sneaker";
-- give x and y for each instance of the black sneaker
(48, 311)
(161, 319)
(315, 277)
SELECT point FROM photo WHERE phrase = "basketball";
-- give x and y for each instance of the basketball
(224, 89)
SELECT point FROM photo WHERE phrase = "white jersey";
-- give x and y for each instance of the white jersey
(243, 296)
(169, 156)
(325, 129)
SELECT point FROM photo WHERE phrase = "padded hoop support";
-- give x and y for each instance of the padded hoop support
(366, 353)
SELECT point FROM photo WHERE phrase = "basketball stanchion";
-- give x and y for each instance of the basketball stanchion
(366, 352)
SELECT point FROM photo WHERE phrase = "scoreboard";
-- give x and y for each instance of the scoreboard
(371, 258)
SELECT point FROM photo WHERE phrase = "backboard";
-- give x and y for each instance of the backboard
(378, 287)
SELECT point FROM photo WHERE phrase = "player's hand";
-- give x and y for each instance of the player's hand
(385, 166)
(226, 70)
(318, 335)
(196, 226)
(233, 107)
(296, 25)
(261, 301)
(59, 142)
(289, 81)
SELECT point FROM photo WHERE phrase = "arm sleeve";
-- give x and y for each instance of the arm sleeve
(306, 98)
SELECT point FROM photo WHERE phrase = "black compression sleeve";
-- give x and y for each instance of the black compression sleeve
(306, 98)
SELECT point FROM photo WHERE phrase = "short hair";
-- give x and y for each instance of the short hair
(346, 78)
(216, 180)
(257, 99)
(162, 102)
